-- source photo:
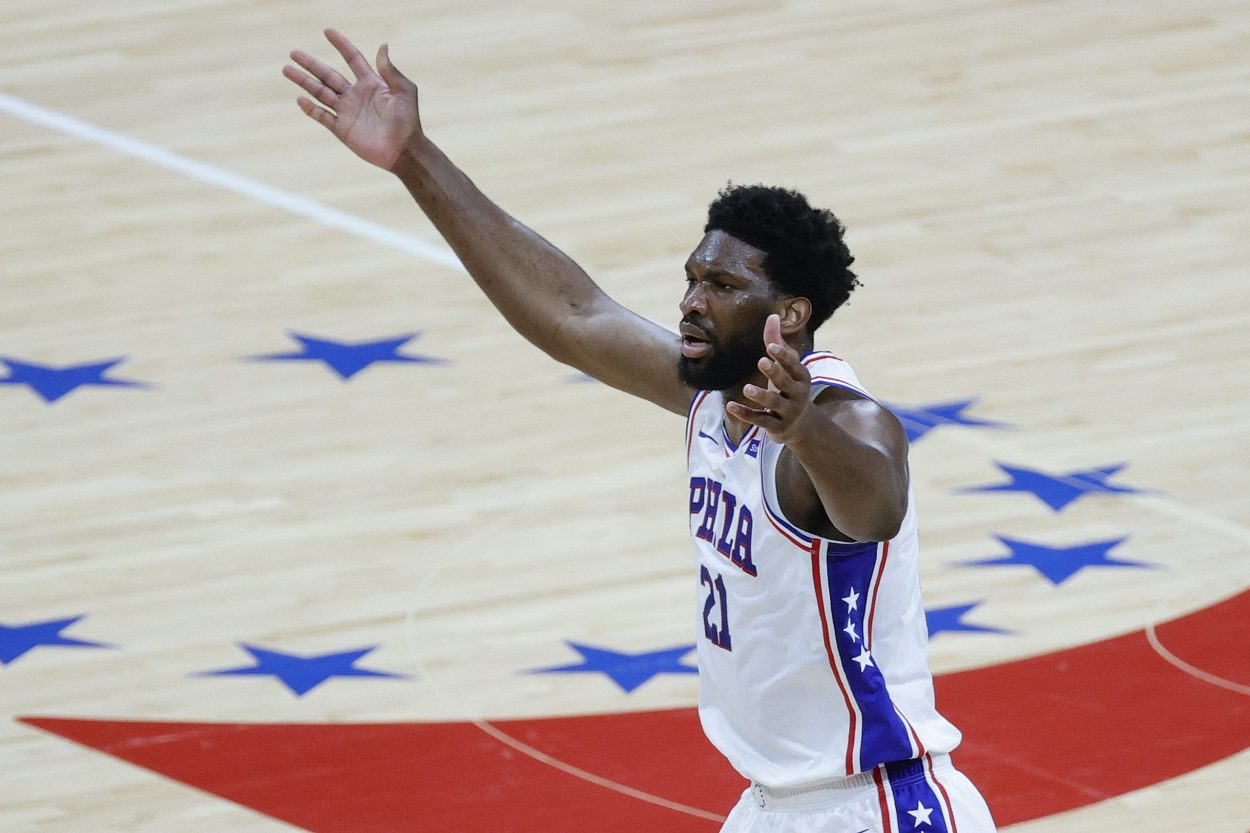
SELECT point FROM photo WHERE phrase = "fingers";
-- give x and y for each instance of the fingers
(763, 418)
(319, 70)
(772, 330)
(383, 63)
(780, 405)
(394, 79)
(783, 402)
(784, 359)
(317, 114)
(768, 400)
(311, 85)
(786, 374)
(357, 62)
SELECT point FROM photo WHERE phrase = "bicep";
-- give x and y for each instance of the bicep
(622, 349)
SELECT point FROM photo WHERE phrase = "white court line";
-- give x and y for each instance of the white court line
(1193, 671)
(599, 780)
(432, 253)
(229, 181)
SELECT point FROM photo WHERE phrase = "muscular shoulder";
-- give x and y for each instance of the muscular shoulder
(863, 418)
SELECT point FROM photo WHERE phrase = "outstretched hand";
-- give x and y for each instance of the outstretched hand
(787, 397)
(376, 116)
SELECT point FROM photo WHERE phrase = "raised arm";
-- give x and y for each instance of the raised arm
(541, 292)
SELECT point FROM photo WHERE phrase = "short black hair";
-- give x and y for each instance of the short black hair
(804, 253)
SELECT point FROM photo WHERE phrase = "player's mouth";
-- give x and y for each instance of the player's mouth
(694, 342)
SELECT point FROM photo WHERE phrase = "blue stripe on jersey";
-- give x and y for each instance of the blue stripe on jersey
(883, 736)
(916, 805)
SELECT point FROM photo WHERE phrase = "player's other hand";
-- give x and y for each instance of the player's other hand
(786, 399)
(376, 116)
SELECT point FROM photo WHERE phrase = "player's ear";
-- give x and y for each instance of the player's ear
(795, 314)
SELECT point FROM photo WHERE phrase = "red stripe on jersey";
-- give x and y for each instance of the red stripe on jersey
(841, 383)
(833, 661)
(876, 585)
(920, 751)
(915, 738)
(946, 799)
(886, 827)
(732, 447)
(835, 380)
(803, 545)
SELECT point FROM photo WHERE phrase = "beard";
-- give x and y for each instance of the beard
(728, 364)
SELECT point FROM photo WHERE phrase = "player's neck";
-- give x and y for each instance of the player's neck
(735, 428)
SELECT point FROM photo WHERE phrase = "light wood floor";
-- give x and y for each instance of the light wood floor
(1047, 200)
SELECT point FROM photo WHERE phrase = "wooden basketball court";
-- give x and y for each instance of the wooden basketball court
(293, 524)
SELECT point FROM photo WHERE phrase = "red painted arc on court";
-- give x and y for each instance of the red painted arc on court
(1061, 731)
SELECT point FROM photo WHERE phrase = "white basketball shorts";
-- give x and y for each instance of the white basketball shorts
(924, 796)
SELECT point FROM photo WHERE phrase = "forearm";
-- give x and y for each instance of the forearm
(533, 284)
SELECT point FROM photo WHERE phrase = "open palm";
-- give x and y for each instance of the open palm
(376, 116)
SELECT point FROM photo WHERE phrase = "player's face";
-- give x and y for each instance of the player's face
(728, 298)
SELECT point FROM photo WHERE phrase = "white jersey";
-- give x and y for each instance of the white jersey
(814, 657)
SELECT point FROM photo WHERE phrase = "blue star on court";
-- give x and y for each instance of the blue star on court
(1058, 564)
(349, 358)
(951, 618)
(921, 420)
(628, 671)
(51, 382)
(301, 674)
(16, 640)
(1059, 490)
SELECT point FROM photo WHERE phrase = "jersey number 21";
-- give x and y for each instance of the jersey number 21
(717, 634)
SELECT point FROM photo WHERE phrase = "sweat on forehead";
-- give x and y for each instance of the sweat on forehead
(719, 249)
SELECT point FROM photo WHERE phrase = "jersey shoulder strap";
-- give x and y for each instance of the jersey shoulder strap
(830, 371)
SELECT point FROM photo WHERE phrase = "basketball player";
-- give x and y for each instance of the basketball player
(813, 669)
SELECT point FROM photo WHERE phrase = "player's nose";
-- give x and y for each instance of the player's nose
(694, 301)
